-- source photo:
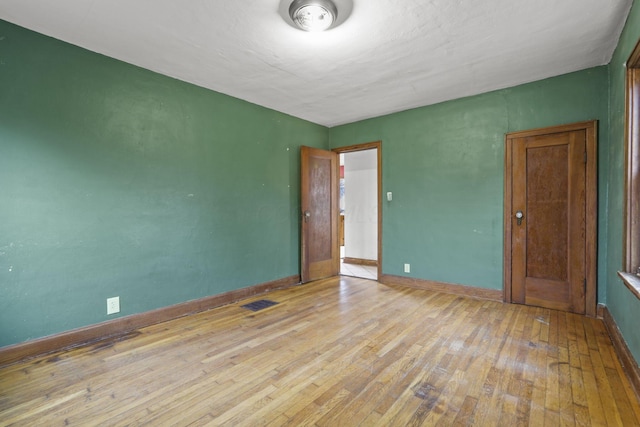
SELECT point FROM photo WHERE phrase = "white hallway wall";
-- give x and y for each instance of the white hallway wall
(361, 205)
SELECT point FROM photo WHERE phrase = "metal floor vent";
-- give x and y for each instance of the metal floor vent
(259, 305)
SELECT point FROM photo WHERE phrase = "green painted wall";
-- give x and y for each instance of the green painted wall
(623, 306)
(445, 163)
(116, 181)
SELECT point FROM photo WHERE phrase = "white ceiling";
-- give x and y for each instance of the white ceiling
(386, 56)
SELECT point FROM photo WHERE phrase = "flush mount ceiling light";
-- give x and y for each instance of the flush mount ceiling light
(313, 15)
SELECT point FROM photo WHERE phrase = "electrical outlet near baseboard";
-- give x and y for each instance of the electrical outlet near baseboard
(113, 305)
(407, 268)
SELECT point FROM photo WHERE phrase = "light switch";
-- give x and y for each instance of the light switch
(389, 196)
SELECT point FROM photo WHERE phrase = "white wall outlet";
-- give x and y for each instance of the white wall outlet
(407, 268)
(113, 305)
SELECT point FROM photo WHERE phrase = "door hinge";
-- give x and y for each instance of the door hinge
(585, 157)
(585, 285)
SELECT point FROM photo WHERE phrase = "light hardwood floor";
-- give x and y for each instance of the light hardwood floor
(338, 352)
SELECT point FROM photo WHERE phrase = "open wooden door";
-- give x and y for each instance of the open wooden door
(550, 202)
(319, 171)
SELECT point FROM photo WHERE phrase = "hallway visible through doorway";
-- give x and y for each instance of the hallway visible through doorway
(359, 213)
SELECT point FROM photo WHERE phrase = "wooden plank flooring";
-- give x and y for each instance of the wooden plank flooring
(338, 352)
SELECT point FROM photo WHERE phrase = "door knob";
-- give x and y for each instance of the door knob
(307, 215)
(519, 216)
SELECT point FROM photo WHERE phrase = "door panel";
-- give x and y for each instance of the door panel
(547, 182)
(546, 212)
(320, 255)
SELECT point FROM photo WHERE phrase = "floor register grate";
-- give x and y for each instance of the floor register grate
(259, 305)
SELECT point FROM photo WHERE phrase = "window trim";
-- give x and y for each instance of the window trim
(631, 268)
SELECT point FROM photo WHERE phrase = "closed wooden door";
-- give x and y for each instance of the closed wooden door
(320, 254)
(551, 218)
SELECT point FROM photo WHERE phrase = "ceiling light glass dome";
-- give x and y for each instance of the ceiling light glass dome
(313, 15)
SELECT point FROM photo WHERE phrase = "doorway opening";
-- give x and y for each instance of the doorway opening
(360, 211)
